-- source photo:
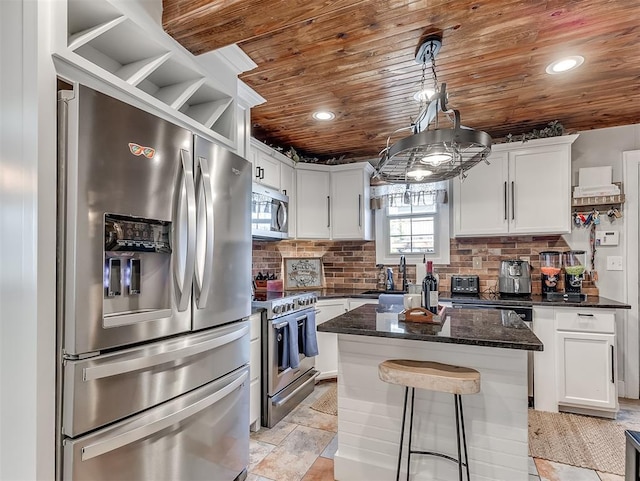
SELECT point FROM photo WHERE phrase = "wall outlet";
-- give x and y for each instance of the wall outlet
(477, 262)
(614, 263)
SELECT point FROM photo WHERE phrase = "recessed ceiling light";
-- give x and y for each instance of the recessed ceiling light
(564, 64)
(324, 115)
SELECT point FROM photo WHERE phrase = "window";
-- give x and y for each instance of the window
(416, 229)
(412, 229)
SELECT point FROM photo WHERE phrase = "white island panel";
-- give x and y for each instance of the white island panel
(370, 411)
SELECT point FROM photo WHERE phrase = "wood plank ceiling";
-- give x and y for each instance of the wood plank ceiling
(356, 59)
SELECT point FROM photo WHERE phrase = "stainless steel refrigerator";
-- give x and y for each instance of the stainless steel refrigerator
(154, 269)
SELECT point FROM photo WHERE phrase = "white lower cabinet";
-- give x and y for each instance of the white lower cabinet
(326, 309)
(255, 366)
(327, 358)
(585, 359)
(353, 303)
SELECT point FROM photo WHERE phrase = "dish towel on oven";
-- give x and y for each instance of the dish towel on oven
(290, 351)
(309, 338)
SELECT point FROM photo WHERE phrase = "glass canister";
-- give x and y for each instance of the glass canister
(550, 266)
(574, 266)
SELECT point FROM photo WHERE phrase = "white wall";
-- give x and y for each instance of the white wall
(604, 147)
(27, 242)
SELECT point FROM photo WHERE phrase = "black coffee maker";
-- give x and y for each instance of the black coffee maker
(574, 262)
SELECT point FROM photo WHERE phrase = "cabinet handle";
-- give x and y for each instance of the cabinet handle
(257, 172)
(513, 200)
(284, 191)
(261, 173)
(613, 369)
(584, 315)
(359, 210)
(505, 200)
(328, 211)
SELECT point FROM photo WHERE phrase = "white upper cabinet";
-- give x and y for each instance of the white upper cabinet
(117, 48)
(525, 189)
(332, 202)
(480, 201)
(313, 203)
(266, 169)
(350, 196)
(288, 187)
(271, 168)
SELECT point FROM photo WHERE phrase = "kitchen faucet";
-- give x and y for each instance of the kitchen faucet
(403, 273)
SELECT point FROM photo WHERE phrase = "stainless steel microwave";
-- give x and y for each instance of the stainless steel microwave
(269, 213)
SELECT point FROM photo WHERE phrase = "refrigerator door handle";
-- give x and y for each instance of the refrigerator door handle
(183, 286)
(203, 281)
(123, 367)
(118, 441)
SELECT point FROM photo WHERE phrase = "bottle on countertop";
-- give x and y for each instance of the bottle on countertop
(390, 285)
(430, 289)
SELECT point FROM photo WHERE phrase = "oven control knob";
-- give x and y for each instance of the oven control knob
(304, 302)
(277, 309)
(291, 306)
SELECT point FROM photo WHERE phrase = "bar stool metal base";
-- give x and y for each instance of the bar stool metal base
(459, 429)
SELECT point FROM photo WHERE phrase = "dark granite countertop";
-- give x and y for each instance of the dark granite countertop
(331, 293)
(535, 300)
(475, 327)
(489, 299)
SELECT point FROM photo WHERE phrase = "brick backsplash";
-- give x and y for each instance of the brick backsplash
(349, 264)
(345, 264)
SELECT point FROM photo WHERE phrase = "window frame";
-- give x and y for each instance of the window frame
(442, 223)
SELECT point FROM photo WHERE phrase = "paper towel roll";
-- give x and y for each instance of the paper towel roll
(421, 272)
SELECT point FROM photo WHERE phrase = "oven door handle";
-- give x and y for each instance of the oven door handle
(280, 402)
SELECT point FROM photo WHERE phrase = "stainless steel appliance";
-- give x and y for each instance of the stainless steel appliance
(284, 385)
(526, 314)
(154, 246)
(514, 277)
(269, 213)
(465, 284)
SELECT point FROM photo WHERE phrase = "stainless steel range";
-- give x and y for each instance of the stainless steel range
(289, 345)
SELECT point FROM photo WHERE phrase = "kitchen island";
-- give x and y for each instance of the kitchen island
(369, 410)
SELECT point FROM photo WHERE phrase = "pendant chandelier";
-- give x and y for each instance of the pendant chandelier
(432, 153)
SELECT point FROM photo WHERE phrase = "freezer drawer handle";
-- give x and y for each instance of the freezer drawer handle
(123, 367)
(111, 444)
(116, 320)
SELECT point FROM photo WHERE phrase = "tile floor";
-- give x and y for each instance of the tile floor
(302, 445)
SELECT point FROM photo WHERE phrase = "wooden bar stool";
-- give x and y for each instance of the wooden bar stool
(435, 377)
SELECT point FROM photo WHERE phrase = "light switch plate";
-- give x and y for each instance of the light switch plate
(477, 262)
(614, 263)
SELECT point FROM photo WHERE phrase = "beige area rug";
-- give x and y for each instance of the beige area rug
(328, 402)
(581, 441)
